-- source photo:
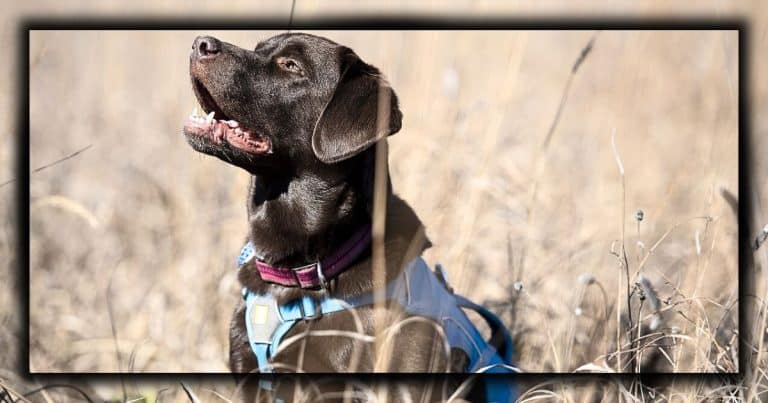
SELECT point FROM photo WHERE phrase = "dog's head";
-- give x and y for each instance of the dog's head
(296, 99)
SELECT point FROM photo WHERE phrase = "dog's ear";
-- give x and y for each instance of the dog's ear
(349, 124)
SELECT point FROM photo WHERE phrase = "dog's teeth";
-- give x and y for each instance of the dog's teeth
(232, 123)
(209, 118)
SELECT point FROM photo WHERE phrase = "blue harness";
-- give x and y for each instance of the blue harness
(419, 291)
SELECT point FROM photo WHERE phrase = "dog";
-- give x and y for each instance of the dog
(305, 117)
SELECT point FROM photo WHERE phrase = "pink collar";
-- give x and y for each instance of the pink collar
(318, 273)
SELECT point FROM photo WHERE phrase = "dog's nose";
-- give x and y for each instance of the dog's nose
(205, 47)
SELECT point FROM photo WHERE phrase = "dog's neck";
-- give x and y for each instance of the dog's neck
(300, 218)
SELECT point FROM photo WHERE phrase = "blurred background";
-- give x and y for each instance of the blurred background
(133, 241)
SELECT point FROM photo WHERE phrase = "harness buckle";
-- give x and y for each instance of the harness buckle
(318, 310)
(323, 281)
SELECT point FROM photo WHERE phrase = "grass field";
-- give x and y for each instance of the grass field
(529, 177)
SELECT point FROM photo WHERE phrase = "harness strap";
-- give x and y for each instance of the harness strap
(498, 330)
(302, 309)
(421, 292)
(278, 320)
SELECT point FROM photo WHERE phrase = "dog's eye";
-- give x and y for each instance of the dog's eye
(289, 65)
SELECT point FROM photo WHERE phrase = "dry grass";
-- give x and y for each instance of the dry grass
(537, 221)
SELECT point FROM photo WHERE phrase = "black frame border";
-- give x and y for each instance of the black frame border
(390, 22)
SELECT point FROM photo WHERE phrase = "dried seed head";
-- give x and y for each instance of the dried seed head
(639, 215)
(586, 278)
(518, 286)
(649, 292)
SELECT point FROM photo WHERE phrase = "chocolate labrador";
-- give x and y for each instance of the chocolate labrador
(304, 116)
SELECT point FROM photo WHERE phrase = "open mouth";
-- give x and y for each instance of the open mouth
(216, 127)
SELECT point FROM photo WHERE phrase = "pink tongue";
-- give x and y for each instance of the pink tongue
(218, 133)
(242, 139)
